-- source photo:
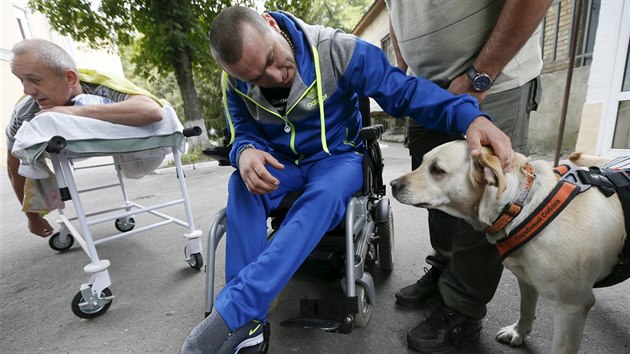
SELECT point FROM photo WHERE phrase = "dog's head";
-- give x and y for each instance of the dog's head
(450, 180)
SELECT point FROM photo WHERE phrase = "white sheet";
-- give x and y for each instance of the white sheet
(91, 137)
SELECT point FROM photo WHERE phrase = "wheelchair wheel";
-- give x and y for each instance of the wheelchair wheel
(385, 233)
(365, 307)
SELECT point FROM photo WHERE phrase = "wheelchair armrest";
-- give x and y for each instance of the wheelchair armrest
(371, 132)
(219, 153)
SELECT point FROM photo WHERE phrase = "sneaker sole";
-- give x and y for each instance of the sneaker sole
(249, 342)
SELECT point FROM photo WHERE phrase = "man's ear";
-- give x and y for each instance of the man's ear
(72, 77)
(271, 21)
(488, 170)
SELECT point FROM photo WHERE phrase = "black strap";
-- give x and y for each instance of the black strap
(619, 179)
(622, 185)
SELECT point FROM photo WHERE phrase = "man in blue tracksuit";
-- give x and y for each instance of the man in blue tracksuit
(291, 98)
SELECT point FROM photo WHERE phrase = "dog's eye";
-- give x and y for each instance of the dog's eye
(436, 170)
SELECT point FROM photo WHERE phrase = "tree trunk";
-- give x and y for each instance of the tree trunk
(192, 107)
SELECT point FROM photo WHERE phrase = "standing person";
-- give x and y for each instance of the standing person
(490, 50)
(291, 99)
(51, 80)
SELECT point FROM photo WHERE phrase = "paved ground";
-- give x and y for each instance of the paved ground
(159, 298)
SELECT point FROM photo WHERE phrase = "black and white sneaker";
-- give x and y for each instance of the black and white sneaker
(250, 335)
(262, 347)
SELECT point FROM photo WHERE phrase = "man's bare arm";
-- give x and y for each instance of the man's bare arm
(36, 223)
(517, 22)
(135, 110)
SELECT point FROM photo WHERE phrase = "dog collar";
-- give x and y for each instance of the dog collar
(512, 210)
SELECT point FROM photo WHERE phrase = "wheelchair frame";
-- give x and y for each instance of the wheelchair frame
(368, 233)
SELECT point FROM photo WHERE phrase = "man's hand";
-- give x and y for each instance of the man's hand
(461, 85)
(38, 225)
(257, 178)
(482, 132)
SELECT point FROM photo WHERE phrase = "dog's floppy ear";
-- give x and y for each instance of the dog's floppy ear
(488, 170)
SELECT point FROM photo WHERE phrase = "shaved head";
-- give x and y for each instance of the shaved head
(226, 32)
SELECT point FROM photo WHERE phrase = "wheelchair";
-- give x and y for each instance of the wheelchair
(365, 237)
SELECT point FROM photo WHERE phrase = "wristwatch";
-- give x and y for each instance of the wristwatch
(480, 81)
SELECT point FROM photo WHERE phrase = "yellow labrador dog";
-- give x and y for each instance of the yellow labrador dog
(562, 263)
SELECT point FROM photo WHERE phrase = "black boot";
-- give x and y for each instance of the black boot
(424, 291)
(444, 330)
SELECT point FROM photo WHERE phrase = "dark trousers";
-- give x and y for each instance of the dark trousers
(472, 268)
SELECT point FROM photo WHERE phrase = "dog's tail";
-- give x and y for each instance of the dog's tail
(584, 160)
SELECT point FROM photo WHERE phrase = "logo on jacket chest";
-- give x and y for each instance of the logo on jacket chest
(311, 97)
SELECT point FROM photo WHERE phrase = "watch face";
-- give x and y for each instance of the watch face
(482, 82)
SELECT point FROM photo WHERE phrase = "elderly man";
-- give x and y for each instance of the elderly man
(51, 80)
(291, 93)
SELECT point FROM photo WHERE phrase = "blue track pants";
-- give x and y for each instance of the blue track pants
(257, 270)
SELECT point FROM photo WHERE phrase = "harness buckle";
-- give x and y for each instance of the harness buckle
(573, 176)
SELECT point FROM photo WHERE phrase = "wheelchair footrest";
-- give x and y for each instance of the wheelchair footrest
(327, 314)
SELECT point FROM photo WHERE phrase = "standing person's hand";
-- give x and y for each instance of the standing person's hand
(251, 165)
(482, 132)
(461, 85)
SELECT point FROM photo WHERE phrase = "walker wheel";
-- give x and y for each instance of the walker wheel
(83, 309)
(195, 261)
(60, 244)
(123, 225)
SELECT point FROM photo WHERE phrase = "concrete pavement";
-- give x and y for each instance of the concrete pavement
(159, 298)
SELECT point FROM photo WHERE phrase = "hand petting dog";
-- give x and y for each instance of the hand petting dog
(482, 132)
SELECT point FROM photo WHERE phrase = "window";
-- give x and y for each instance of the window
(625, 86)
(388, 48)
(24, 23)
(556, 34)
(591, 22)
(621, 139)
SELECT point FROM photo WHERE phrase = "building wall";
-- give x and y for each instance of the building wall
(11, 89)
(544, 123)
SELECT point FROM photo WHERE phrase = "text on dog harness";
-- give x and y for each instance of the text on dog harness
(555, 202)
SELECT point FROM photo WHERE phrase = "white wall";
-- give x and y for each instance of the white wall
(10, 34)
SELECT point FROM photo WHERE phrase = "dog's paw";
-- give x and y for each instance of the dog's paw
(511, 335)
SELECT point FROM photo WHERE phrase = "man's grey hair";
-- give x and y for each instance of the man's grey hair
(52, 56)
(226, 37)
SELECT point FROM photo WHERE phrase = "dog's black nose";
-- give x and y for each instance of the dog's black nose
(395, 184)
